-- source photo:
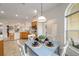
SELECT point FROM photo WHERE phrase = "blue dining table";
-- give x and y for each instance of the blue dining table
(42, 50)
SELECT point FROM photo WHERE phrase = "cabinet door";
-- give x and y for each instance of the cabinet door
(24, 35)
(34, 24)
(1, 48)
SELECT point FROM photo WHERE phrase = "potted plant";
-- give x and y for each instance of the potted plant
(42, 38)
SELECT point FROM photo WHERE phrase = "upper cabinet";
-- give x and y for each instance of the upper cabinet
(34, 24)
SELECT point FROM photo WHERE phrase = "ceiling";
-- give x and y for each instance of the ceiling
(24, 10)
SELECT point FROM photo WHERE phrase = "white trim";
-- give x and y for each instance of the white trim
(68, 7)
(65, 22)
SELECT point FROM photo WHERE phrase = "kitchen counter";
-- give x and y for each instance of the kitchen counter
(42, 50)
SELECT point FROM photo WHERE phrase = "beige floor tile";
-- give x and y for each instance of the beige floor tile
(11, 48)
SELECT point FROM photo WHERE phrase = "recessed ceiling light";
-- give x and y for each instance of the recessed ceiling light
(2, 12)
(16, 15)
(26, 17)
(35, 11)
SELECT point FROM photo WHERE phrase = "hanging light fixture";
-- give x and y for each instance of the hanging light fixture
(41, 18)
(34, 18)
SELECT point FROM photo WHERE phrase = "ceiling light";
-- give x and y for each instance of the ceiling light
(41, 18)
(16, 15)
(26, 17)
(2, 12)
(35, 11)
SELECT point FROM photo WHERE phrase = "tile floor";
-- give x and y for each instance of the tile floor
(11, 48)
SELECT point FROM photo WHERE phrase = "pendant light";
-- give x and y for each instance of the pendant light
(41, 18)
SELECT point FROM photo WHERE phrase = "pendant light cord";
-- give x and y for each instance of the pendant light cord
(41, 9)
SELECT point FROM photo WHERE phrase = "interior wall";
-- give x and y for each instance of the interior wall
(51, 29)
(57, 13)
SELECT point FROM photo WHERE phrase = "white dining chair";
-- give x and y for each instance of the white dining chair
(22, 49)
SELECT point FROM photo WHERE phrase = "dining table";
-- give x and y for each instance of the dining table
(42, 49)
